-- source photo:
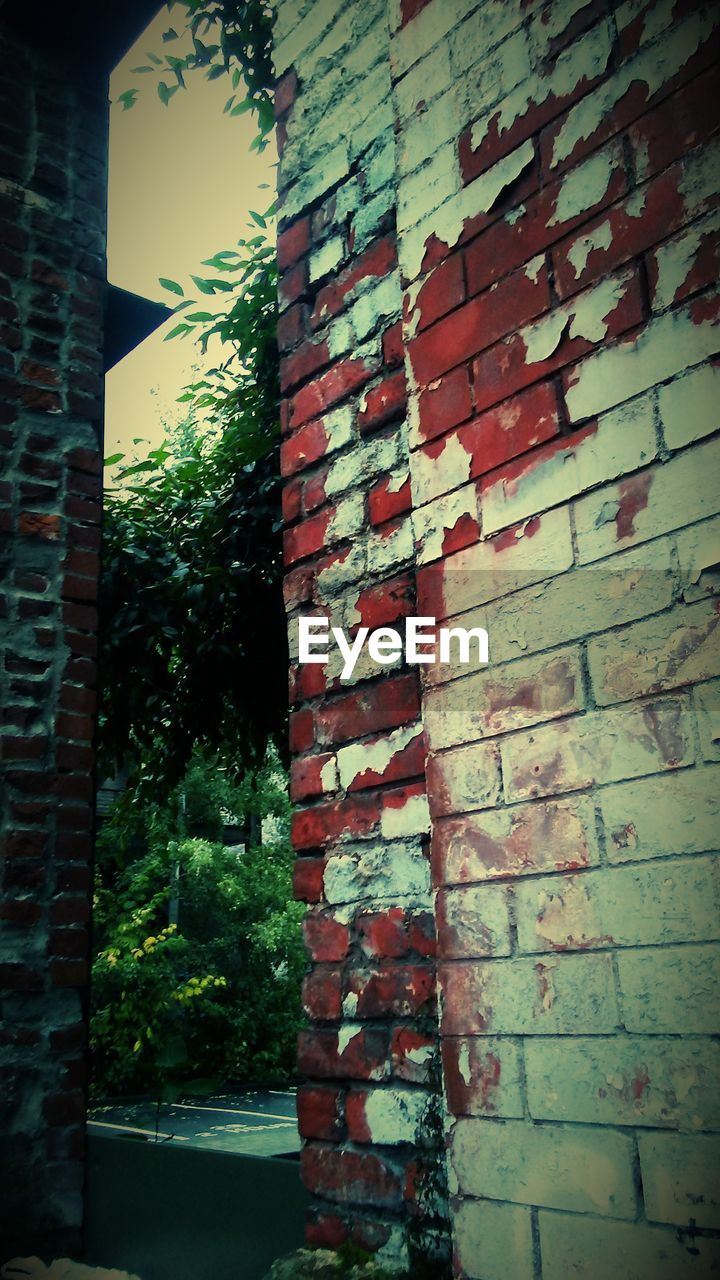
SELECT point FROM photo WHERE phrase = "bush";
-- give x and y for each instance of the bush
(199, 957)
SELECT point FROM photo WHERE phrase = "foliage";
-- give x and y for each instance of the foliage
(226, 37)
(193, 641)
(211, 999)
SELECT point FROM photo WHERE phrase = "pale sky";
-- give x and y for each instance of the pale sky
(182, 178)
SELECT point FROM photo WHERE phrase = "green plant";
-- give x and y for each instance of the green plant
(223, 37)
(212, 997)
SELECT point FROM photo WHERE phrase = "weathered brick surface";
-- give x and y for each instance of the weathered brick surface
(517, 202)
(52, 268)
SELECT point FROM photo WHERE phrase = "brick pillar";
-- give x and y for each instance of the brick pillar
(554, 179)
(362, 827)
(52, 207)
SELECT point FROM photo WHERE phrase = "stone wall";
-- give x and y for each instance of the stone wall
(52, 264)
(499, 247)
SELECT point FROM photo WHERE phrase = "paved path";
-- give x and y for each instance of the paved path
(257, 1124)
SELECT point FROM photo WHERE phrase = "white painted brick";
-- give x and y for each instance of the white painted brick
(588, 1248)
(586, 59)
(608, 746)
(327, 258)
(316, 181)
(389, 550)
(409, 819)
(427, 79)
(678, 492)
(621, 1079)
(667, 345)
(698, 550)
(497, 701)
(480, 573)
(538, 1165)
(446, 223)
(475, 922)
(624, 440)
(493, 1241)
(433, 522)
(651, 68)
(690, 406)
(649, 904)
(660, 817)
(378, 872)
(467, 777)
(679, 1174)
(579, 604)
(572, 994)
(676, 648)
(707, 702)
(671, 991)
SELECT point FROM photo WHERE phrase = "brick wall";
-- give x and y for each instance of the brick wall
(533, 188)
(52, 245)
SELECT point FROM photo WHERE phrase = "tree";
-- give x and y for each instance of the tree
(213, 998)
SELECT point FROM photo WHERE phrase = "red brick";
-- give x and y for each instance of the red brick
(319, 1112)
(445, 403)
(322, 994)
(302, 730)
(293, 282)
(326, 939)
(385, 705)
(308, 359)
(364, 1056)
(342, 380)
(308, 538)
(285, 91)
(676, 125)
(477, 325)
(387, 602)
(315, 827)
(306, 776)
(292, 243)
(376, 262)
(303, 447)
(392, 345)
(308, 879)
(502, 370)
(506, 431)
(384, 402)
(400, 990)
(350, 1177)
(386, 502)
(443, 290)
(408, 762)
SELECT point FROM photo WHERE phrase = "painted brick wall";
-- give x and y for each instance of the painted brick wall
(52, 246)
(533, 188)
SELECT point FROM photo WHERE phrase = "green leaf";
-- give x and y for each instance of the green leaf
(154, 58)
(171, 285)
(170, 34)
(114, 457)
(258, 218)
(178, 332)
(139, 70)
(128, 99)
(241, 107)
(198, 316)
(166, 92)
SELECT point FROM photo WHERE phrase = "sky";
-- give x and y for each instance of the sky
(182, 178)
